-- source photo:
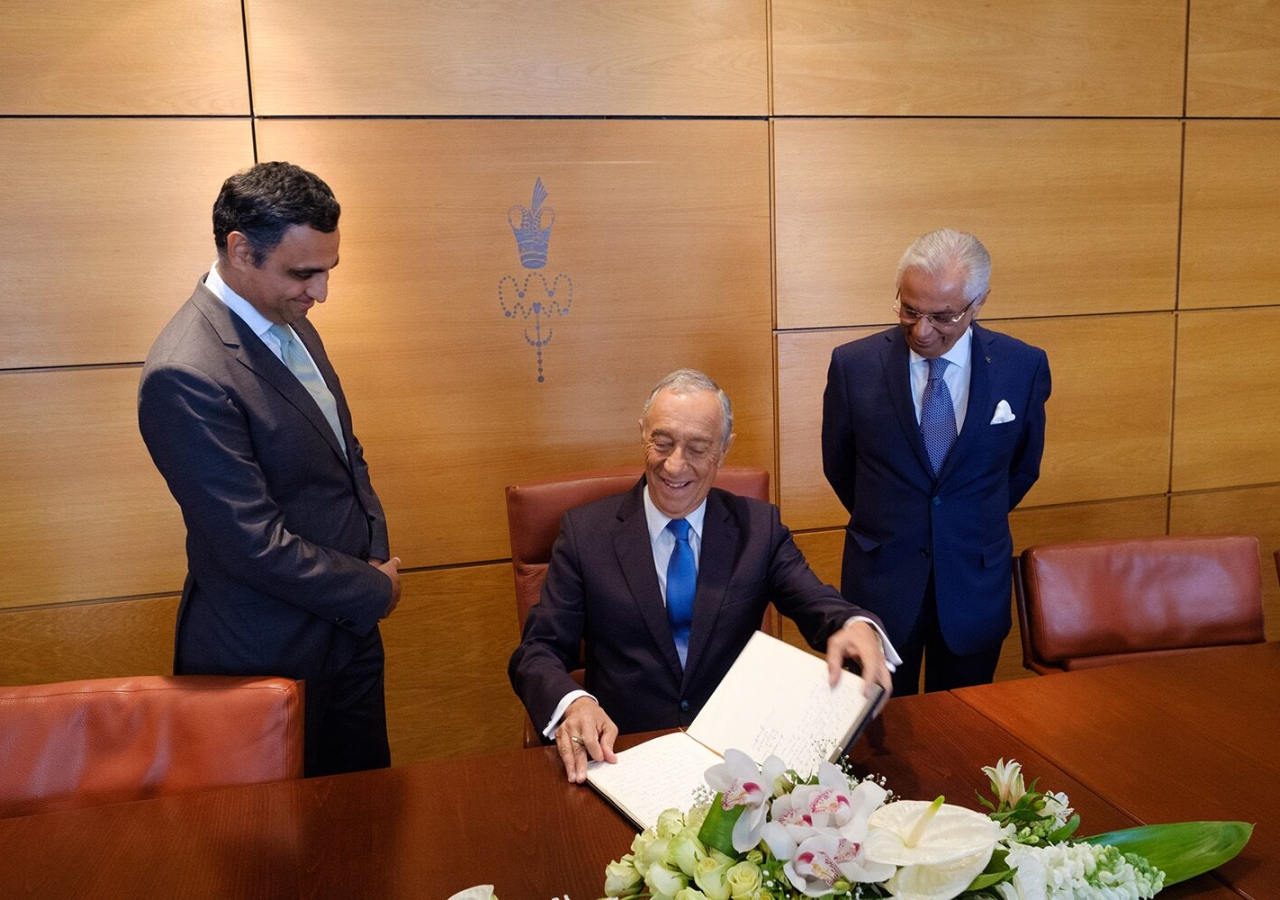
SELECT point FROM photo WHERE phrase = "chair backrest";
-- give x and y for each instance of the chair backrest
(1095, 603)
(84, 743)
(534, 511)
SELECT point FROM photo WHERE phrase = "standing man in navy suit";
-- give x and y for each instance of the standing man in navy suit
(932, 433)
(288, 567)
(656, 653)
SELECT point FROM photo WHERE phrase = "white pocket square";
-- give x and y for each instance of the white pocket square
(1003, 413)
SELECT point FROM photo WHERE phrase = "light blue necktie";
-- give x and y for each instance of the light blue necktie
(937, 416)
(682, 584)
(296, 359)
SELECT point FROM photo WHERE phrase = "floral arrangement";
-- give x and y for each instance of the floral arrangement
(769, 834)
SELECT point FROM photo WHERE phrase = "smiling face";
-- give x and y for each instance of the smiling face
(293, 277)
(684, 446)
(939, 296)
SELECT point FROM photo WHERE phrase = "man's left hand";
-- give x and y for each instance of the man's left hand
(859, 642)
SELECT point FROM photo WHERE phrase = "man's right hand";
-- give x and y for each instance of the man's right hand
(390, 568)
(586, 732)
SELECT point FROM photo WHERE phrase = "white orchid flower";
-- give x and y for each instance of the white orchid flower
(741, 783)
(939, 849)
(791, 822)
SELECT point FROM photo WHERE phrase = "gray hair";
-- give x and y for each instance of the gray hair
(940, 252)
(691, 381)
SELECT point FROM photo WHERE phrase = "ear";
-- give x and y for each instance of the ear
(239, 251)
(981, 300)
(725, 451)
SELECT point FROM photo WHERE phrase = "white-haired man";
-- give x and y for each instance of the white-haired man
(932, 432)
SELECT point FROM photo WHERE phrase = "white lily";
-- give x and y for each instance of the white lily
(1006, 781)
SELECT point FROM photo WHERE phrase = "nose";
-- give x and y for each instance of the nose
(318, 287)
(675, 460)
(924, 327)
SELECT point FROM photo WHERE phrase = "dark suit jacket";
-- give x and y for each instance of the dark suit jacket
(279, 525)
(903, 522)
(602, 587)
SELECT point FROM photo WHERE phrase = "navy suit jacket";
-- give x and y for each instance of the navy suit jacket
(279, 525)
(602, 587)
(905, 524)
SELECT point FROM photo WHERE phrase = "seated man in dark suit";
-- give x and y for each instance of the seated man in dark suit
(665, 584)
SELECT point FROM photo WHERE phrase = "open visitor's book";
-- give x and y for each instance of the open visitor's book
(774, 701)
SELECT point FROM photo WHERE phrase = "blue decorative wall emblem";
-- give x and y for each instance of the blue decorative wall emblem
(534, 297)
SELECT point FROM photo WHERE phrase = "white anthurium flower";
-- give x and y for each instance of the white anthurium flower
(742, 783)
(479, 892)
(939, 849)
(1006, 781)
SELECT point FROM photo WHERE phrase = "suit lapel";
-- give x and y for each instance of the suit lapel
(720, 539)
(978, 410)
(635, 557)
(896, 359)
(249, 350)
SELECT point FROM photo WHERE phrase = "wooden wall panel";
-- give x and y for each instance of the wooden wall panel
(1109, 415)
(1079, 216)
(663, 229)
(86, 513)
(1231, 214)
(805, 497)
(495, 57)
(1107, 520)
(1233, 58)
(1225, 425)
(106, 229)
(88, 640)
(1014, 58)
(1247, 511)
(447, 649)
(121, 57)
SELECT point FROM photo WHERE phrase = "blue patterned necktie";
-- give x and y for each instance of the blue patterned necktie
(682, 584)
(937, 416)
(297, 361)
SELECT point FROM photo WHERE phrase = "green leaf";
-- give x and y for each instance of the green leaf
(717, 827)
(997, 870)
(1181, 850)
(1068, 829)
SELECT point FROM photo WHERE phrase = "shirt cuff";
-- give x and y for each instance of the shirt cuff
(550, 731)
(891, 658)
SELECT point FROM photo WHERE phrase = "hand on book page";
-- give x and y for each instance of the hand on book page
(775, 700)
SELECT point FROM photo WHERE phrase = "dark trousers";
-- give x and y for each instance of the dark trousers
(943, 669)
(346, 715)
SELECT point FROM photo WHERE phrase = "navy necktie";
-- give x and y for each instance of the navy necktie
(682, 584)
(937, 416)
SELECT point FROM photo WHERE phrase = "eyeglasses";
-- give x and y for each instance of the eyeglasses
(942, 320)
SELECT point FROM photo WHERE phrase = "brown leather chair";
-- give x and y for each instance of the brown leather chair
(1097, 603)
(533, 522)
(84, 743)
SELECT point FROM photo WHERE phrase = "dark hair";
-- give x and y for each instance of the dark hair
(263, 202)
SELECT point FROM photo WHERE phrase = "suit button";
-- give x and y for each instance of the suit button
(924, 551)
(937, 501)
(684, 706)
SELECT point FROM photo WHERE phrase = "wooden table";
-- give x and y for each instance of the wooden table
(1193, 736)
(510, 819)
